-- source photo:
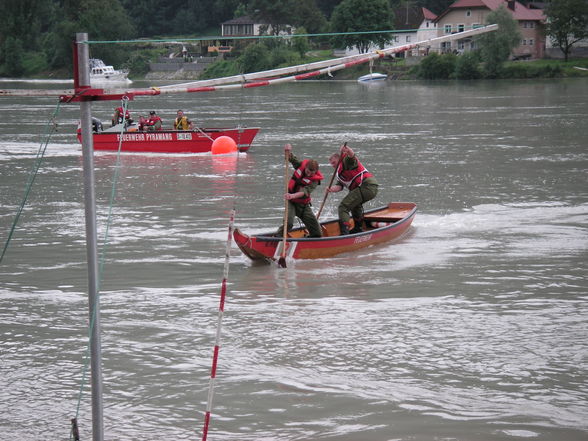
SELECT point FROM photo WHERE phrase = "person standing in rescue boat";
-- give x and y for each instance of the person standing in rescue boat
(154, 122)
(121, 116)
(304, 180)
(362, 187)
(182, 122)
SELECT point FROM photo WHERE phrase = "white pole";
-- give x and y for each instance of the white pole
(91, 238)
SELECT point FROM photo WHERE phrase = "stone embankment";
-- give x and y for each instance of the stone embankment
(178, 68)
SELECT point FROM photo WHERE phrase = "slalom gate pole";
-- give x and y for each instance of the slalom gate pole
(221, 309)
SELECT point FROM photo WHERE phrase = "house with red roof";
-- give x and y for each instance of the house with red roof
(469, 14)
(412, 24)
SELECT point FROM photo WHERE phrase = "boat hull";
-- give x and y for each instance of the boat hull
(372, 78)
(381, 225)
(172, 141)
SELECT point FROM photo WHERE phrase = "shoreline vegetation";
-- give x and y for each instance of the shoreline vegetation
(433, 67)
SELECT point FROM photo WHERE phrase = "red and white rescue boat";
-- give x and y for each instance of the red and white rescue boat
(170, 141)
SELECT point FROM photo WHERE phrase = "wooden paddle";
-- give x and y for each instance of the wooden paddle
(330, 183)
(282, 259)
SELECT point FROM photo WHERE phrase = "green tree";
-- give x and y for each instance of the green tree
(362, 16)
(23, 27)
(496, 46)
(299, 43)
(276, 13)
(567, 23)
(327, 7)
(102, 20)
(307, 14)
(12, 54)
(240, 11)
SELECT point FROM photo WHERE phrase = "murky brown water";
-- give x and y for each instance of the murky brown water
(473, 327)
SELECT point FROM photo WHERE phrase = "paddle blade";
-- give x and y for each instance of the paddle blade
(282, 262)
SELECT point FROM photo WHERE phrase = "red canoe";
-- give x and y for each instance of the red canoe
(172, 141)
(380, 225)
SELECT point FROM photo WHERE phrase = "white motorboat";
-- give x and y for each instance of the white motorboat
(101, 73)
(372, 77)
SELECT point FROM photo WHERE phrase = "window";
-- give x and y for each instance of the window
(460, 27)
(531, 42)
(448, 29)
(524, 42)
(408, 38)
(239, 29)
(468, 13)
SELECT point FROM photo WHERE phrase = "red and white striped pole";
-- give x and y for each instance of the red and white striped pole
(221, 310)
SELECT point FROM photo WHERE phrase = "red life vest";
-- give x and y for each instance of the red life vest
(299, 180)
(119, 114)
(354, 177)
(152, 120)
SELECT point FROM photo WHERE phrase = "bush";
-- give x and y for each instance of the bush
(256, 57)
(283, 57)
(530, 70)
(467, 66)
(220, 68)
(138, 62)
(437, 67)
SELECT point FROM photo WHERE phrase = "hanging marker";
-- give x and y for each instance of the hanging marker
(74, 429)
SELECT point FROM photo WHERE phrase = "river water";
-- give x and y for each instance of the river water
(473, 327)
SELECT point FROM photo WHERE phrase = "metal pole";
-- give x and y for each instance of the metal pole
(91, 238)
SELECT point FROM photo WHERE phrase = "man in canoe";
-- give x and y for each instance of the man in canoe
(182, 122)
(304, 180)
(362, 187)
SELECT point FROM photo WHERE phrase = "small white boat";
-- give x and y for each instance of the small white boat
(101, 73)
(372, 77)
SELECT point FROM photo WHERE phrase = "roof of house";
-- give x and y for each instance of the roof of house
(428, 14)
(411, 18)
(520, 12)
(245, 19)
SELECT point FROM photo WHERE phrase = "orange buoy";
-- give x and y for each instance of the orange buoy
(224, 145)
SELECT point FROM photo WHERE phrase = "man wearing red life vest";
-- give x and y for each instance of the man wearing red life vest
(362, 187)
(303, 181)
(154, 122)
(118, 117)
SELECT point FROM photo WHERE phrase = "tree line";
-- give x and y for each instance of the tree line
(36, 35)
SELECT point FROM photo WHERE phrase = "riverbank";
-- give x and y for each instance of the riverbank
(404, 69)
(396, 69)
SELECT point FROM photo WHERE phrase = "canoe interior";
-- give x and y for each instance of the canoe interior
(373, 219)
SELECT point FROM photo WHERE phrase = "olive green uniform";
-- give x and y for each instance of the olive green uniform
(303, 211)
(353, 201)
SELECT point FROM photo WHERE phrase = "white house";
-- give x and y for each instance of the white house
(248, 27)
(413, 24)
